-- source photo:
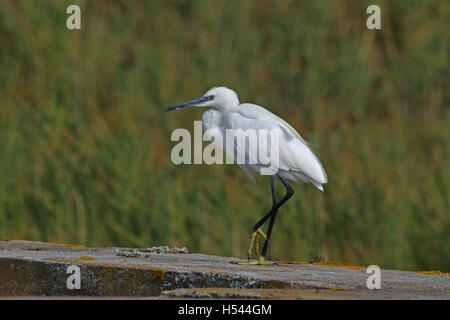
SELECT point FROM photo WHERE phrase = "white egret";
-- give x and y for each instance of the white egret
(295, 162)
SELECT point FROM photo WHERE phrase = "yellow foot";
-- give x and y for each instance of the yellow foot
(260, 262)
(254, 243)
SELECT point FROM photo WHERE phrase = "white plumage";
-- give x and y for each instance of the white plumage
(296, 160)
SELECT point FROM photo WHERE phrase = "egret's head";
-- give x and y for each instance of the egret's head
(218, 97)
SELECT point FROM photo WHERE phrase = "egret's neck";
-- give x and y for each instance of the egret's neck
(212, 118)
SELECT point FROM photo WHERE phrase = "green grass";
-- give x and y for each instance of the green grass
(85, 147)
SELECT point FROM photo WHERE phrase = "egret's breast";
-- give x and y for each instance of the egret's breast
(212, 118)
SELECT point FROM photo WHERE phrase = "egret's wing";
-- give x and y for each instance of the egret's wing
(303, 162)
(253, 111)
(295, 156)
(264, 143)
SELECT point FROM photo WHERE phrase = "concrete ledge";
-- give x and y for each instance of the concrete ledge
(40, 269)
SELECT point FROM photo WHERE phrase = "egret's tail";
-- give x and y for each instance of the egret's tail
(318, 185)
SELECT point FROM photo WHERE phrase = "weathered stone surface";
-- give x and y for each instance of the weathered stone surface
(40, 269)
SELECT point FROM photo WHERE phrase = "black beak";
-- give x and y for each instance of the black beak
(187, 104)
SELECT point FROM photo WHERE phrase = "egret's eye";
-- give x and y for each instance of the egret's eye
(211, 97)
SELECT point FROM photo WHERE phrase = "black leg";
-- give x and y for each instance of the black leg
(272, 188)
(274, 211)
(270, 213)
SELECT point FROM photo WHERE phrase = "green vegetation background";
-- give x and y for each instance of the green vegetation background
(85, 147)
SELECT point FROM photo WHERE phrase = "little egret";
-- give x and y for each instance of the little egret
(295, 162)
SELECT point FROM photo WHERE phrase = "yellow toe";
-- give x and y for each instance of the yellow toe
(260, 262)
